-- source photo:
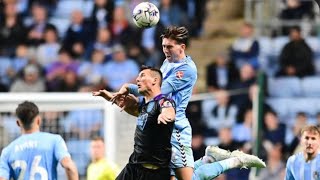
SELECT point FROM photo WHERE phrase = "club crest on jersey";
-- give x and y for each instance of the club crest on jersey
(179, 74)
(141, 121)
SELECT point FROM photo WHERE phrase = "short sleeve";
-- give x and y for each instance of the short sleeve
(4, 165)
(182, 77)
(60, 149)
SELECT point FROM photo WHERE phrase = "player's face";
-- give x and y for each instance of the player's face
(172, 50)
(310, 142)
(97, 150)
(144, 81)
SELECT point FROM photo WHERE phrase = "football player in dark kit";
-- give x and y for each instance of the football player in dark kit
(152, 147)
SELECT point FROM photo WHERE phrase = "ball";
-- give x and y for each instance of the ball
(145, 15)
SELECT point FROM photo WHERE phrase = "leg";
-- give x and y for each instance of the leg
(182, 157)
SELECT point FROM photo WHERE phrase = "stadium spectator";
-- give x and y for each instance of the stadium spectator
(69, 83)
(79, 30)
(84, 124)
(226, 140)
(220, 73)
(246, 79)
(37, 25)
(78, 51)
(275, 167)
(51, 122)
(296, 58)
(123, 69)
(100, 168)
(103, 42)
(30, 82)
(102, 13)
(242, 132)
(197, 143)
(224, 113)
(245, 49)
(171, 14)
(56, 71)
(274, 131)
(48, 51)
(295, 10)
(301, 120)
(308, 159)
(12, 30)
(92, 72)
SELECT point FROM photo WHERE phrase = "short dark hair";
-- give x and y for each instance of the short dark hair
(26, 112)
(154, 70)
(180, 34)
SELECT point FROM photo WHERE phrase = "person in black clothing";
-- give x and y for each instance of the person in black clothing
(296, 58)
(152, 147)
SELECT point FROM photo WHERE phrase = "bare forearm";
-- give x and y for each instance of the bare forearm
(72, 173)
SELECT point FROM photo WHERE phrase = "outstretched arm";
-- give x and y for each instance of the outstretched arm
(128, 103)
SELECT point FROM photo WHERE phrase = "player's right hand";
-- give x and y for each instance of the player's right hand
(103, 93)
(122, 93)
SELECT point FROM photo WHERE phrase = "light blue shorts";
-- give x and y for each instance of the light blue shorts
(182, 155)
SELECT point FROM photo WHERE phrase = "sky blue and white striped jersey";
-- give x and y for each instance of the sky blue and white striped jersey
(298, 169)
(33, 157)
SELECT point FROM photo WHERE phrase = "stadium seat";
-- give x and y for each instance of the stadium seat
(307, 105)
(81, 158)
(284, 87)
(278, 43)
(280, 105)
(65, 8)
(87, 8)
(5, 64)
(314, 44)
(311, 86)
(62, 24)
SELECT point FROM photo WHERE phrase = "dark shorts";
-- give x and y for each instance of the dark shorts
(137, 172)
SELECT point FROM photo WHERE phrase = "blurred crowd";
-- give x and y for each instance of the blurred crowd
(75, 45)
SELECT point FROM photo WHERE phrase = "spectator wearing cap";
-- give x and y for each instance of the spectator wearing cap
(30, 82)
(120, 69)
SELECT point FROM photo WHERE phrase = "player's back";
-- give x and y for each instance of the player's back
(33, 156)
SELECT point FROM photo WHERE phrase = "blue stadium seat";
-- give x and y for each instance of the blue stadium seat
(307, 105)
(311, 86)
(65, 7)
(284, 87)
(314, 44)
(280, 105)
(278, 43)
(80, 157)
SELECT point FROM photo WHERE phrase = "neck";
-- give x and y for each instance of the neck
(310, 157)
(33, 130)
(152, 94)
(179, 58)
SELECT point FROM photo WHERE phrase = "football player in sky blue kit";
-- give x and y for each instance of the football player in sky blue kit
(179, 77)
(305, 165)
(35, 155)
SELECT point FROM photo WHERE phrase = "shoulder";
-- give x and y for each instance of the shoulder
(294, 157)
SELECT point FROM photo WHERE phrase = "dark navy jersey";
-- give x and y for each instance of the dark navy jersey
(152, 140)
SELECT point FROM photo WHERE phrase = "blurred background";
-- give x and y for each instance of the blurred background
(258, 71)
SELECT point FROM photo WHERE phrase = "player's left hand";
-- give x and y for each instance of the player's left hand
(165, 118)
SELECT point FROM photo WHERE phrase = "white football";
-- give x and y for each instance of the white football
(145, 15)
